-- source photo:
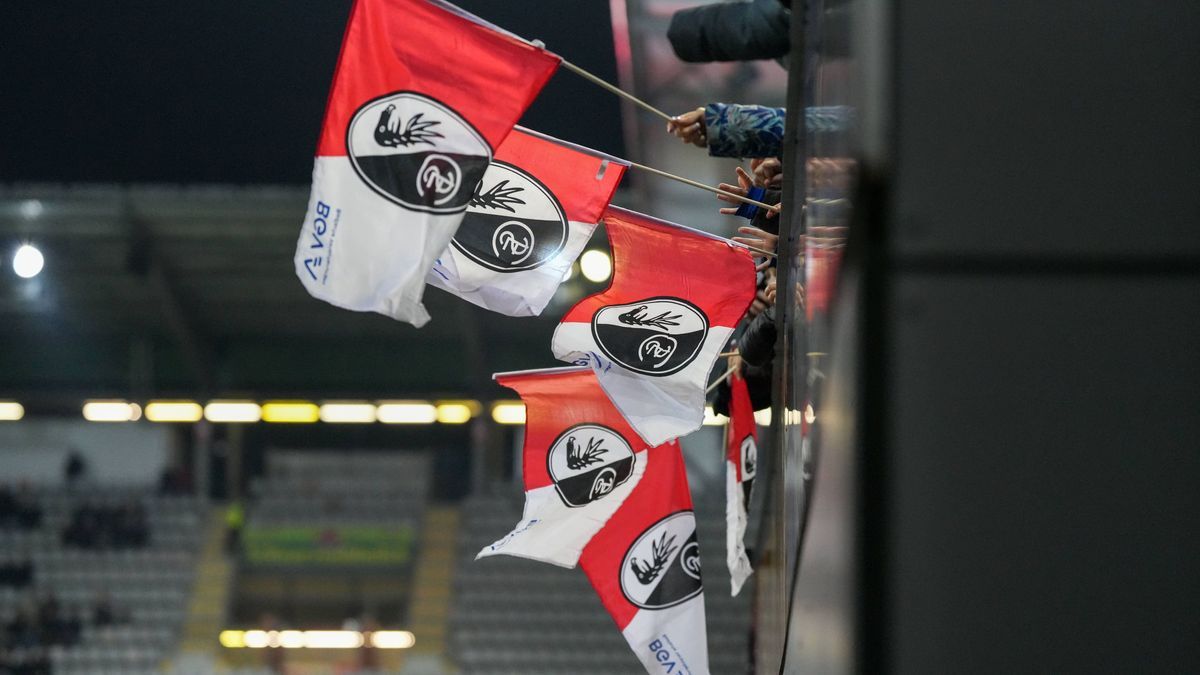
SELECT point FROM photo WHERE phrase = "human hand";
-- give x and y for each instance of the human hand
(689, 127)
(756, 238)
(741, 189)
(768, 171)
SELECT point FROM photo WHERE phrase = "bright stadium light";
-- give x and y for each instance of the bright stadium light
(508, 412)
(712, 419)
(233, 411)
(392, 639)
(763, 417)
(407, 412)
(111, 411)
(256, 639)
(595, 265)
(232, 639)
(290, 412)
(457, 412)
(28, 261)
(291, 639)
(333, 639)
(348, 412)
(174, 411)
(315, 639)
(11, 411)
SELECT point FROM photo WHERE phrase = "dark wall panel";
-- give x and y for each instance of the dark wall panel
(1042, 458)
(1048, 129)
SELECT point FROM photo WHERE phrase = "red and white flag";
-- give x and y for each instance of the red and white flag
(645, 566)
(422, 94)
(741, 464)
(529, 219)
(652, 337)
(580, 462)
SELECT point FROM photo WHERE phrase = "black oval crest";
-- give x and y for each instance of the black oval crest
(513, 221)
(417, 152)
(749, 457)
(656, 336)
(587, 462)
(662, 567)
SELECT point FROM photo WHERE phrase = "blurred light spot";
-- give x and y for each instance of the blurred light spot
(595, 265)
(457, 412)
(28, 262)
(333, 639)
(407, 412)
(392, 639)
(290, 412)
(347, 412)
(31, 208)
(508, 412)
(173, 411)
(763, 417)
(111, 411)
(11, 411)
(232, 411)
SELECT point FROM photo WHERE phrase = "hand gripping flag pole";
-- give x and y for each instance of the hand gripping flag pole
(650, 169)
(654, 334)
(422, 94)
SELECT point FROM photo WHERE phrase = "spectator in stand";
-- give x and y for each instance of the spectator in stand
(75, 468)
(175, 480)
(105, 613)
(103, 527)
(16, 574)
(19, 509)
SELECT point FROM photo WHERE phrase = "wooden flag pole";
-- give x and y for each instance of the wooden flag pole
(719, 380)
(702, 186)
(616, 90)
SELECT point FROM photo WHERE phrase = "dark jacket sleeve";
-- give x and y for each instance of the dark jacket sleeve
(757, 346)
(731, 31)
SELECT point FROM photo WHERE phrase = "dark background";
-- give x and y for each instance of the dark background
(231, 91)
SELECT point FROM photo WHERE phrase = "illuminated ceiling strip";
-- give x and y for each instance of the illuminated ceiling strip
(174, 411)
(11, 411)
(316, 639)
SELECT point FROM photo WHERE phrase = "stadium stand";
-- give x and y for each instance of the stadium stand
(513, 616)
(109, 573)
(315, 487)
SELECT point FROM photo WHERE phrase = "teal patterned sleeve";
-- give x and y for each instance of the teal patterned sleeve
(736, 130)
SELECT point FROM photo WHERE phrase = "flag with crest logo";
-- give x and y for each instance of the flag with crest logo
(580, 462)
(645, 566)
(741, 465)
(422, 94)
(654, 334)
(529, 219)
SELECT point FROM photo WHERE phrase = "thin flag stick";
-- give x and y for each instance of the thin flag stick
(702, 186)
(657, 172)
(616, 90)
(719, 380)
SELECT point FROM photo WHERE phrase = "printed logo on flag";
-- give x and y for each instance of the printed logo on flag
(662, 568)
(749, 457)
(656, 336)
(587, 462)
(417, 152)
(513, 221)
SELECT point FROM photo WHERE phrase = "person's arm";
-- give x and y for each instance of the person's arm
(736, 130)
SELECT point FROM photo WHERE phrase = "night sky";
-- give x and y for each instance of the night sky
(230, 91)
